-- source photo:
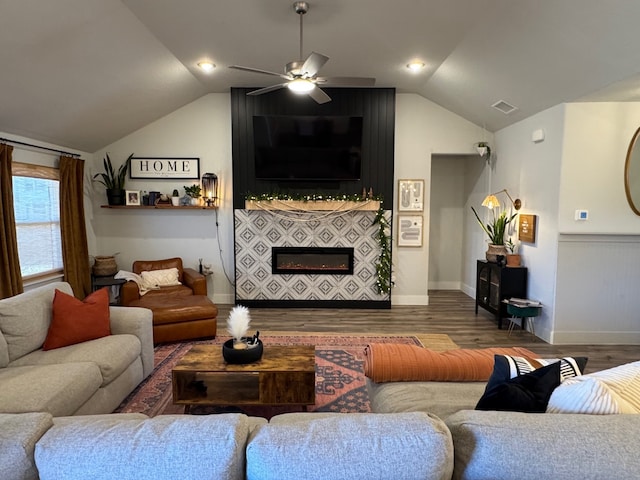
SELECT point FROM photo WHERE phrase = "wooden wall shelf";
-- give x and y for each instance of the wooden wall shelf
(158, 207)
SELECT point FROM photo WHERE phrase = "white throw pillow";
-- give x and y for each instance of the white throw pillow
(160, 278)
(612, 391)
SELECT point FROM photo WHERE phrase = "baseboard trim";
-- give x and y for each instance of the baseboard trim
(382, 304)
(595, 338)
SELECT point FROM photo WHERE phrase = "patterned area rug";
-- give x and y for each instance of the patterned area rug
(340, 381)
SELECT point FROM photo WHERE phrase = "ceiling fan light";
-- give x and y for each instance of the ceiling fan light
(300, 85)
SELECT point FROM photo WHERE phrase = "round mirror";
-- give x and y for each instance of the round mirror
(632, 173)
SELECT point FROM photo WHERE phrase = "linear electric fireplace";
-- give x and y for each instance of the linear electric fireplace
(312, 260)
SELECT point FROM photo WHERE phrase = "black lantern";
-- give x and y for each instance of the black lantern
(210, 188)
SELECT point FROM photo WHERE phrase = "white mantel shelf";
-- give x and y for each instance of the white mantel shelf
(312, 205)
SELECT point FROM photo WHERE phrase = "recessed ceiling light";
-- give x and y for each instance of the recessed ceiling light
(206, 66)
(415, 66)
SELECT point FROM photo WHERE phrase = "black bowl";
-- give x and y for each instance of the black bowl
(239, 357)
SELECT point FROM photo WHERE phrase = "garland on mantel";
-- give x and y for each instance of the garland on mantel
(268, 197)
(383, 265)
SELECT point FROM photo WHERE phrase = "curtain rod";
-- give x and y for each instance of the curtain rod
(62, 152)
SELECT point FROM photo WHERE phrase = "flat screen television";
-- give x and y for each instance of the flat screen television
(307, 148)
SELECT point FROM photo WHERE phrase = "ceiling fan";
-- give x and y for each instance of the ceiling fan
(302, 76)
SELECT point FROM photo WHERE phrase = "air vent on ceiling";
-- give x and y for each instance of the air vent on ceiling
(504, 107)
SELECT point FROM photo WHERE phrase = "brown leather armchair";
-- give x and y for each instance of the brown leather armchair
(180, 312)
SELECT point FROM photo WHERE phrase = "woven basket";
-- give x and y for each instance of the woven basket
(105, 266)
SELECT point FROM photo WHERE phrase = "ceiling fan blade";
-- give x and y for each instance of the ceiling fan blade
(313, 64)
(347, 81)
(319, 96)
(267, 89)
(257, 70)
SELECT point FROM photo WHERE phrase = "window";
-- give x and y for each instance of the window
(36, 203)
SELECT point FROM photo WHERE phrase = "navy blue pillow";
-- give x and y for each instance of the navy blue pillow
(525, 393)
(508, 366)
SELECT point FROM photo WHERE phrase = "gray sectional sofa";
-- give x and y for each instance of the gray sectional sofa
(470, 445)
(86, 378)
(491, 445)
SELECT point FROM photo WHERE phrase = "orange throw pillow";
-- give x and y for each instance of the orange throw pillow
(76, 321)
(389, 362)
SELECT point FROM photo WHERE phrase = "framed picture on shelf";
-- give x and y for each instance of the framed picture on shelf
(410, 195)
(133, 197)
(173, 168)
(409, 230)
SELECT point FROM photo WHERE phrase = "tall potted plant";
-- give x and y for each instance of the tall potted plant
(114, 180)
(495, 231)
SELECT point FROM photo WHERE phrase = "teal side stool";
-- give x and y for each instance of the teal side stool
(527, 314)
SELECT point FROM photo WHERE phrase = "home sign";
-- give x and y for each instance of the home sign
(182, 168)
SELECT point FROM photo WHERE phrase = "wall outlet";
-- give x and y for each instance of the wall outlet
(582, 215)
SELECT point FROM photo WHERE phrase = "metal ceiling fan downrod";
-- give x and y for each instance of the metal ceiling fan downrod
(293, 68)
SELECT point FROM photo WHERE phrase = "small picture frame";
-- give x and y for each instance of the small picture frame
(132, 197)
(410, 195)
(527, 228)
(409, 230)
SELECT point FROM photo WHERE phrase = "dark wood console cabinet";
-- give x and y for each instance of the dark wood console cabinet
(494, 283)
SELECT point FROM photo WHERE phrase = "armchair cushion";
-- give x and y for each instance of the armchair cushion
(160, 278)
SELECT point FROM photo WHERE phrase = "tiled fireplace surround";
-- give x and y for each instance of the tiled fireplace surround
(257, 231)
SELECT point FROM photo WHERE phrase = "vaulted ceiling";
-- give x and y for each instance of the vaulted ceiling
(83, 73)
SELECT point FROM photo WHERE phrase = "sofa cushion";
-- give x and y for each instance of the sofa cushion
(4, 351)
(525, 446)
(372, 446)
(525, 393)
(75, 321)
(167, 446)
(25, 318)
(58, 389)
(18, 436)
(612, 391)
(509, 366)
(112, 355)
(440, 398)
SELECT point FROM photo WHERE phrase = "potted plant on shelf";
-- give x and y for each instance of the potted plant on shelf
(114, 180)
(495, 231)
(513, 258)
(194, 191)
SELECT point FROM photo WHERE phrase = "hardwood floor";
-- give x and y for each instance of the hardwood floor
(450, 312)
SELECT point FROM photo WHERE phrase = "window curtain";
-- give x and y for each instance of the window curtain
(73, 231)
(10, 276)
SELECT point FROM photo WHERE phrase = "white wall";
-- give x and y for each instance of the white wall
(422, 129)
(599, 259)
(597, 136)
(200, 129)
(531, 171)
(451, 177)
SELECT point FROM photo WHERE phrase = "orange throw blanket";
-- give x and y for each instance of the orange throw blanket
(389, 362)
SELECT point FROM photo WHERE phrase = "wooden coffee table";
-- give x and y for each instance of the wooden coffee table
(284, 376)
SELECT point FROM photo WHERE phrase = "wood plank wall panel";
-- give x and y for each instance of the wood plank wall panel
(376, 105)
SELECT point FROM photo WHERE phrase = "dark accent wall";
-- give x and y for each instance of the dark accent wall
(376, 105)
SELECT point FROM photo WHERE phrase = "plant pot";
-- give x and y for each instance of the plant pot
(115, 196)
(494, 251)
(195, 201)
(513, 260)
(175, 201)
(240, 357)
